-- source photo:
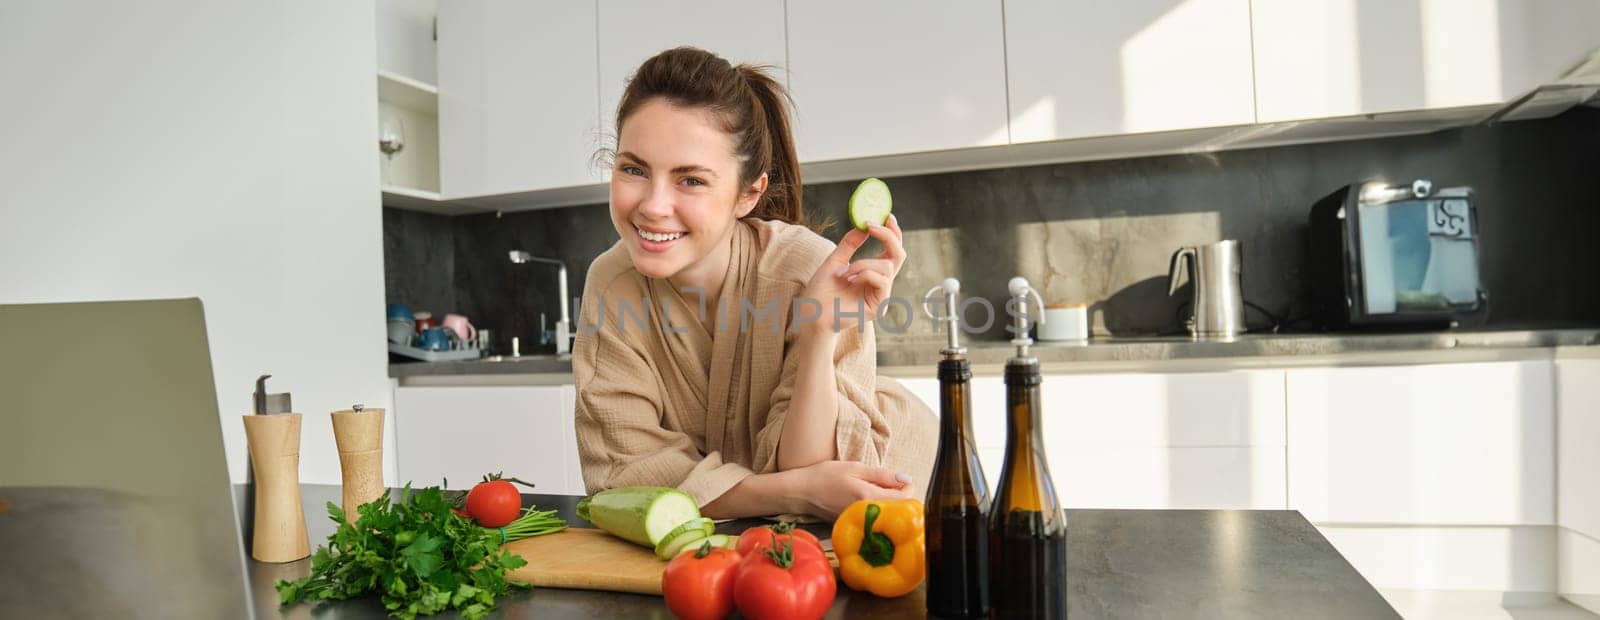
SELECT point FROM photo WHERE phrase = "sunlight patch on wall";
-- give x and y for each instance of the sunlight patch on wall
(932, 254)
(1171, 76)
(1037, 121)
(1323, 76)
(1088, 260)
(1461, 52)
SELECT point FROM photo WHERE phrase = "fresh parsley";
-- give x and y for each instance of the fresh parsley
(417, 554)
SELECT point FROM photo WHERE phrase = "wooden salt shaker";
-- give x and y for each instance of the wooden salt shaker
(359, 433)
(280, 526)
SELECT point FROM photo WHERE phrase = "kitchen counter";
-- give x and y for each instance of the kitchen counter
(1267, 349)
(1121, 563)
(548, 364)
(1102, 354)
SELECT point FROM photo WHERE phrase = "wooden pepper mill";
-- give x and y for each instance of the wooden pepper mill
(359, 433)
(280, 524)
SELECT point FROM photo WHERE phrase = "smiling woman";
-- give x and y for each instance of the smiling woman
(785, 414)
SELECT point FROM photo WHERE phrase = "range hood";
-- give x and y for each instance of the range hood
(1576, 87)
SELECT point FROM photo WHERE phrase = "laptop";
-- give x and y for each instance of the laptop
(115, 499)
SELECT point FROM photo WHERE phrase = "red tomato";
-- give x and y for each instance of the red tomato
(799, 586)
(701, 587)
(761, 536)
(494, 503)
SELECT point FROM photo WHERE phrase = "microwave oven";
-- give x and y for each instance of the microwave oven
(1395, 255)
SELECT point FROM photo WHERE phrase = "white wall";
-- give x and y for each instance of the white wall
(224, 150)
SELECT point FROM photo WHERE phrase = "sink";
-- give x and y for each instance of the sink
(543, 357)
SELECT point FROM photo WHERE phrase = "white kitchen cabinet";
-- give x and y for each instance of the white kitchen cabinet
(1578, 476)
(633, 30)
(462, 433)
(405, 39)
(1078, 68)
(1578, 451)
(880, 78)
(1452, 558)
(518, 100)
(1330, 58)
(1445, 444)
(1578, 569)
(1135, 440)
(408, 102)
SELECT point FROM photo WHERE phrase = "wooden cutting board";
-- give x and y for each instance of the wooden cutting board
(590, 559)
(587, 559)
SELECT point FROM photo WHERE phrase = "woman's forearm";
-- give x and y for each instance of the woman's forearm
(810, 425)
(758, 495)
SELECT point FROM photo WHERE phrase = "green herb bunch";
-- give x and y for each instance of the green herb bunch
(419, 555)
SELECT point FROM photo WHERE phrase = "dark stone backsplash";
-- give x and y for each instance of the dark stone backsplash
(419, 258)
(1102, 232)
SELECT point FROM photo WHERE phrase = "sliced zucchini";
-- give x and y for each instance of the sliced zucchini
(693, 529)
(692, 540)
(870, 204)
(730, 541)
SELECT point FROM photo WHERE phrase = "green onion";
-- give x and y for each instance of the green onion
(531, 523)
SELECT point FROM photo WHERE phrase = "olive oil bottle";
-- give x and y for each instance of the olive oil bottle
(1027, 528)
(957, 506)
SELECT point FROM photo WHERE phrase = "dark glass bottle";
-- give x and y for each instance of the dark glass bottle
(957, 517)
(1027, 528)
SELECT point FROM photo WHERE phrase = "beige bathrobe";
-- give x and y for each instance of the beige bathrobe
(668, 404)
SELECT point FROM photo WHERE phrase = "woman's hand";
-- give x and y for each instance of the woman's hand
(827, 488)
(863, 284)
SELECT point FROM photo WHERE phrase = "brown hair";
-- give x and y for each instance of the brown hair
(751, 105)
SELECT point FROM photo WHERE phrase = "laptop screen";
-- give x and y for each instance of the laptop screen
(114, 492)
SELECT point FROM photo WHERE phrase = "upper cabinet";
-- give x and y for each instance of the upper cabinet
(527, 91)
(519, 103)
(1330, 58)
(879, 78)
(408, 104)
(405, 39)
(632, 31)
(1079, 68)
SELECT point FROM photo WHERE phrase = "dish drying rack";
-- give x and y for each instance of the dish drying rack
(458, 351)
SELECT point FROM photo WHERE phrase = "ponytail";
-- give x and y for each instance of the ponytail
(771, 132)
(752, 106)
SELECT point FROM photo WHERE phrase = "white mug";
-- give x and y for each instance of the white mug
(1065, 323)
(400, 332)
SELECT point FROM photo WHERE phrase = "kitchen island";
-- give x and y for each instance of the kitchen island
(1121, 564)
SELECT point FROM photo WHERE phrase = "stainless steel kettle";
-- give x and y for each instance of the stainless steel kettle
(1218, 308)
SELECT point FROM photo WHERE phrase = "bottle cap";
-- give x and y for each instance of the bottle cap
(949, 289)
(1020, 291)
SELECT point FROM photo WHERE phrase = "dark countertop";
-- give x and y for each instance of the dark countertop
(1121, 563)
(546, 364)
(923, 355)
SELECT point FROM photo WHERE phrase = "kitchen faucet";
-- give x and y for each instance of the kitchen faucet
(563, 329)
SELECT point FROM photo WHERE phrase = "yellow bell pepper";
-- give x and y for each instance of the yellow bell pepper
(880, 546)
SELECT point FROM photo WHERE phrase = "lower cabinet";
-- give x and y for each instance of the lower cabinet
(1578, 569)
(461, 433)
(1146, 440)
(1490, 558)
(1430, 477)
(1441, 444)
(1578, 478)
